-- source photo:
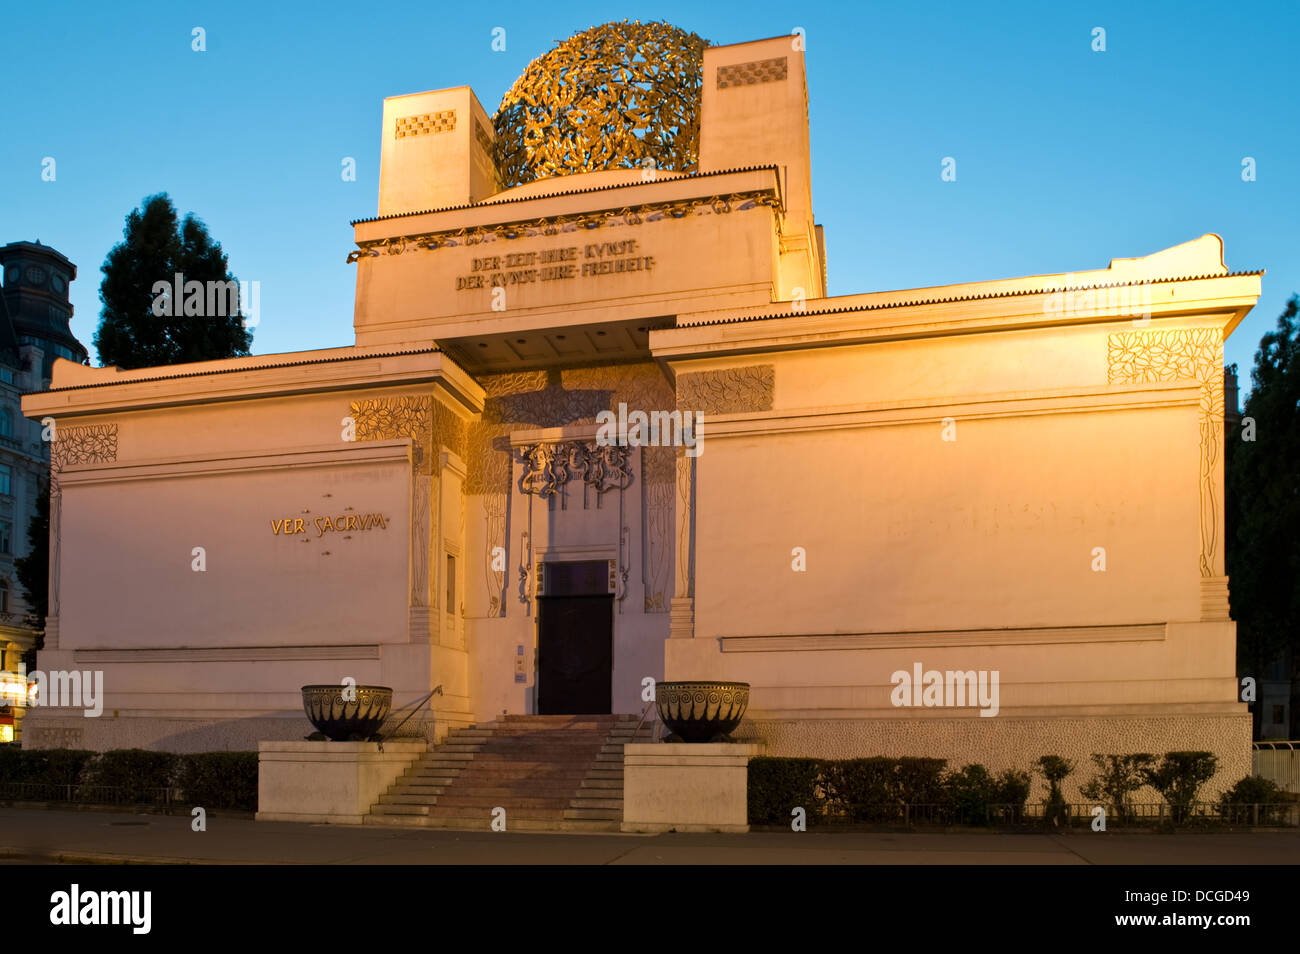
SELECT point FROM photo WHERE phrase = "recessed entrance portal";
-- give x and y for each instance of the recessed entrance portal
(575, 640)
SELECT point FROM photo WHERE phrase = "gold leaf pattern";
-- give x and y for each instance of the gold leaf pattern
(608, 97)
(1182, 354)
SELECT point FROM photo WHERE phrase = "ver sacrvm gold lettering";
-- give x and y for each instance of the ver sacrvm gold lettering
(344, 522)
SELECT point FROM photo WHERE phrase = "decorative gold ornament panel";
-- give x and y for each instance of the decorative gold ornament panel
(749, 74)
(484, 140)
(549, 465)
(89, 444)
(609, 97)
(1183, 354)
(560, 224)
(727, 391)
(428, 423)
(425, 124)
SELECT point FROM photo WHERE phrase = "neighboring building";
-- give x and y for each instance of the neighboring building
(1019, 477)
(34, 330)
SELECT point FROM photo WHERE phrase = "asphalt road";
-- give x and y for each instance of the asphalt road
(41, 836)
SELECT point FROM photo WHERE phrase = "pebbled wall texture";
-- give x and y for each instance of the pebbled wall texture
(1001, 743)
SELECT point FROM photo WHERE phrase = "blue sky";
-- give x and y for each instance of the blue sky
(1066, 157)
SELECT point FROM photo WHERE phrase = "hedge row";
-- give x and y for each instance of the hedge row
(876, 789)
(898, 789)
(213, 780)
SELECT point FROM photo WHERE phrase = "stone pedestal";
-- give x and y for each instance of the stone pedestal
(685, 787)
(327, 782)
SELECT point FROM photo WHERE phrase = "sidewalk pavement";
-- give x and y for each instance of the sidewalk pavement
(29, 835)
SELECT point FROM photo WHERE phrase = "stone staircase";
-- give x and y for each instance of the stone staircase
(549, 773)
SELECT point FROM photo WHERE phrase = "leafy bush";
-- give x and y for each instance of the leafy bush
(137, 774)
(219, 780)
(1178, 778)
(864, 789)
(1012, 788)
(972, 791)
(44, 774)
(919, 781)
(11, 762)
(1238, 803)
(777, 785)
(1117, 778)
(59, 766)
(1055, 768)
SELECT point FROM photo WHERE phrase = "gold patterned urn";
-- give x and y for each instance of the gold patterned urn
(701, 711)
(353, 719)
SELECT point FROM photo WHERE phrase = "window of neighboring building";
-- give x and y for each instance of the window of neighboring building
(1279, 715)
(4, 596)
(5, 475)
(6, 535)
(7, 375)
(6, 422)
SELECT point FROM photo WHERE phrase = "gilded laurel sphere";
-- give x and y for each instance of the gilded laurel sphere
(610, 97)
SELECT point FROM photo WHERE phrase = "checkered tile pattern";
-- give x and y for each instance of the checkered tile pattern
(425, 124)
(747, 74)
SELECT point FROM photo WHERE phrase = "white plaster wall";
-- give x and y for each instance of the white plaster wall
(906, 531)
(126, 560)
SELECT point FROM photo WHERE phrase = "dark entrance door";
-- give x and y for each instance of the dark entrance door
(575, 641)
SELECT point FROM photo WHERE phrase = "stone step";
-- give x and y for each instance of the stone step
(432, 772)
(505, 797)
(511, 801)
(611, 804)
(399, 808)
(491, 753)
(556, 773)
(593, 814)
(513, 823)
(485, 811)
(420, 791)
(407, 798)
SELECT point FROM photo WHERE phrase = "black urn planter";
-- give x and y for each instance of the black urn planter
(351, 720)
(701, 711)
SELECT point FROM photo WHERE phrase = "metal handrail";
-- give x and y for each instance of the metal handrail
(642, 719)
(415, 707)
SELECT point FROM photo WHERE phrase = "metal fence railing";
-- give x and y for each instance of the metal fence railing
(1279, 762)
(89, 794)
(1080, 814)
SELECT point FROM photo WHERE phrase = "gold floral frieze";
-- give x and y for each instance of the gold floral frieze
(88, 444)
(719, 204)
(728, 390)
(1183, 354)
(418, 417)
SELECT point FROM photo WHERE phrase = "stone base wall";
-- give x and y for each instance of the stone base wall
(50, 730)
(1016, 743)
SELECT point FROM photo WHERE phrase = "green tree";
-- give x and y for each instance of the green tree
(1262, 476)
(156, 248)
(34, 569)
